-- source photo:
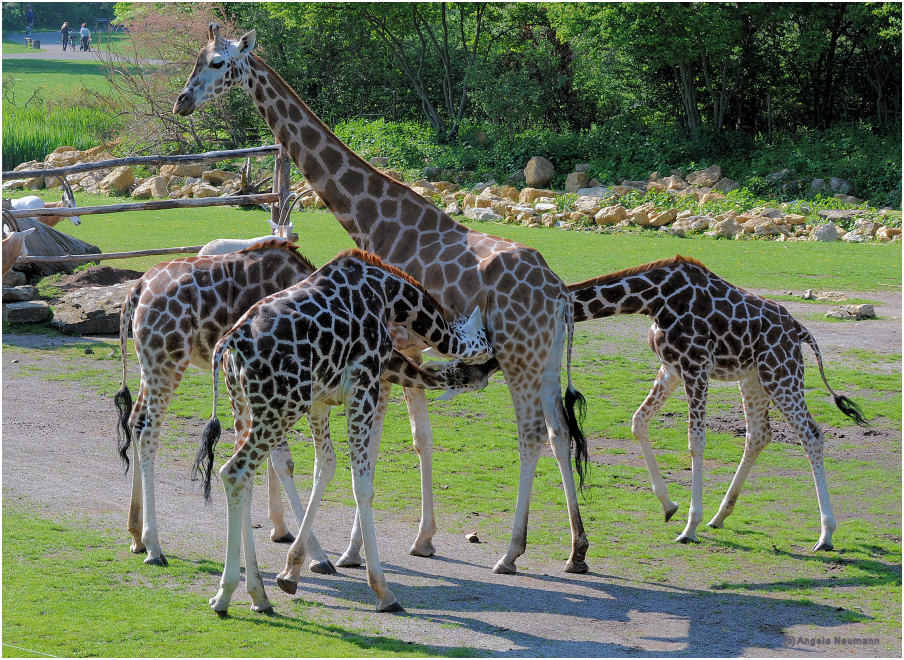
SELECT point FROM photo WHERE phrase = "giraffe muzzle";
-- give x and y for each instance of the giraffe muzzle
(184, 105)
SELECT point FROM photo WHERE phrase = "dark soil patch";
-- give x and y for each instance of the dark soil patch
(98, 276)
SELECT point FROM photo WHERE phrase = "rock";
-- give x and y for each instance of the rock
(582, 167)
(866, 227)
(575, 181)
(542, 207)
(446, 186)
(596, 191)
(840, 214)
(865, 311)
(655, 185)
(509, 192)
(854, 237)
(705, 178)
(183, 169)
(688, 225)
(619, 191)
(62, 157)
(640, 215)
(118, 181)
(674, 183)
(14, 184)
(726, 185)
(635, 185)
(31, 311)
(780, 175)
(588, 205)
(482, 214)
(91, 310)
(825, 296)
(154, 186)
(827, 232)
(530, 195)
(217, 177)
(204, 190)
(35, 182)
(379, 161)
(453, 209)
(19, 293)
(834, 184)
(660, 219)
(538, 172)
(424, 192)
(611, 215)
(852, 312)
(794, 219)
(711, 197)
(480, 187)
(727, 228)
(849, 199)
(885, 233)
(14, 278)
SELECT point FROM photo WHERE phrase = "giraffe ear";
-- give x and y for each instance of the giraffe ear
(246, 43)
(475, 322)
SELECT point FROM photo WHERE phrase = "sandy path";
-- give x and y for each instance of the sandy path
(58, 455)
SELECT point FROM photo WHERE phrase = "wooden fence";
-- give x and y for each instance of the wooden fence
(277, 198)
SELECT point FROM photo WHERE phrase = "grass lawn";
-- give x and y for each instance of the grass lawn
(54, 80)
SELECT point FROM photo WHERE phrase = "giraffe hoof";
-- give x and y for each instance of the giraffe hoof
(394, 607)
(686, 539)
(423, 551)
(138, 548)
(350, 561)
(504, 569)
(823, 546)
(576, 567)
(156, 561)
(715, 524)
(284, 538)
(670, 512)
(323, 568)
(266, 610)
(289, 586)
(223, 614)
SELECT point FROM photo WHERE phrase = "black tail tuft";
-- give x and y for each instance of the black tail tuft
(575, 411)
(850, 409)
(123, 401)
(204, 460)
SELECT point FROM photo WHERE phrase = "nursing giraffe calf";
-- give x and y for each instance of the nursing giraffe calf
(704, 327)
(178, 311)
(324, 341)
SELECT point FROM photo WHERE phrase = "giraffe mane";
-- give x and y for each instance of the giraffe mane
(634, 270)
(374, 260)
(281, 244)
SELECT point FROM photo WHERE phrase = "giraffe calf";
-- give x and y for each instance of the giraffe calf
(322, 342)
(704, 327)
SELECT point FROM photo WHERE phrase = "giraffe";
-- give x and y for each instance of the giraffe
(179, 310)
(525, 305)
(321, 342)
(704, 327)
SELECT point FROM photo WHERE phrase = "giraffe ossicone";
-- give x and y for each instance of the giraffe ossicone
(525, 305)
(321, 342)
(703, 328)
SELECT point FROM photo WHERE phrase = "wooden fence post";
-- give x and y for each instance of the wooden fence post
(281, 169)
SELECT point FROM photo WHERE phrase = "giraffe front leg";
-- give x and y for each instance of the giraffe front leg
(253, 581)
(237, 483)
(665, 384)
(759, 434)
(422, 437)
(135, 512)
(696, 389)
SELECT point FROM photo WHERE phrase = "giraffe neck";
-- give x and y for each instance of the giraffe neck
(373, 208)
(623, 293)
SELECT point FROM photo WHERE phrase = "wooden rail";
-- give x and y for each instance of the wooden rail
(252, 152)
(80, 258)
(156, 205)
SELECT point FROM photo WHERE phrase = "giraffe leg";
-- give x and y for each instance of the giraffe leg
(160, 391)
(324, 469)
(557, 431)
(695, 387)
(759, 434)
(135, 513)
(253, 581)
(352, 556)
(789, 398)
(280, 532)
(665, 384)
(422, 436)
(531, 438)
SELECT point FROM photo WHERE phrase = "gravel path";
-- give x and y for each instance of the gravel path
(52, 48)
(58, 457)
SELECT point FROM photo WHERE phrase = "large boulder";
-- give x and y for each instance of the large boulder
(19, 293)
(611, 215)
(833, 185)
(482, 214)
(154, 186)
(726, 185)
(61, 157)
(886, 233)
(118, 181)
(183, 169)
(576, 181)
(705, 178)
(538, 172)
(31, 311)
(91, 310)
(834, 215)
(827, 232)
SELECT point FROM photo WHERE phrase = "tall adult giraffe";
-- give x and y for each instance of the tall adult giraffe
(526, 307)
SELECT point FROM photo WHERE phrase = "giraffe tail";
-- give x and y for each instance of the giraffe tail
(203, 465)
(123, 398)
(844, 404)
(574, 403)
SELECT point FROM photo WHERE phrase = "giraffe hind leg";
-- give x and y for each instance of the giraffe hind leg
(696, 388)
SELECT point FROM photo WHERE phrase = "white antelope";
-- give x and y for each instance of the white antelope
(34, 202)
(281, 229)
(13, 246)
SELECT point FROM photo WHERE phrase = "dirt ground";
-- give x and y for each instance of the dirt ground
(59, 458)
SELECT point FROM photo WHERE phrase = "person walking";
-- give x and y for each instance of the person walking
(64, 34)
(29, 19)
(86, 36)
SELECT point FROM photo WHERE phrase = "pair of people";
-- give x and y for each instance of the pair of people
(84, 34)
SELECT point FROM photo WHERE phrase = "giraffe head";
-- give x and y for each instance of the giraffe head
(220, 65)
(475, 347)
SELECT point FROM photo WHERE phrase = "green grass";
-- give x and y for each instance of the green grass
(54, 80)
(573, 255)
(96, 584)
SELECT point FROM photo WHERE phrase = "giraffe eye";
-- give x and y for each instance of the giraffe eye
(217, 65)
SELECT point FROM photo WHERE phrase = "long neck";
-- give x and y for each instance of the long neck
(635, 293)
(380, 214)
